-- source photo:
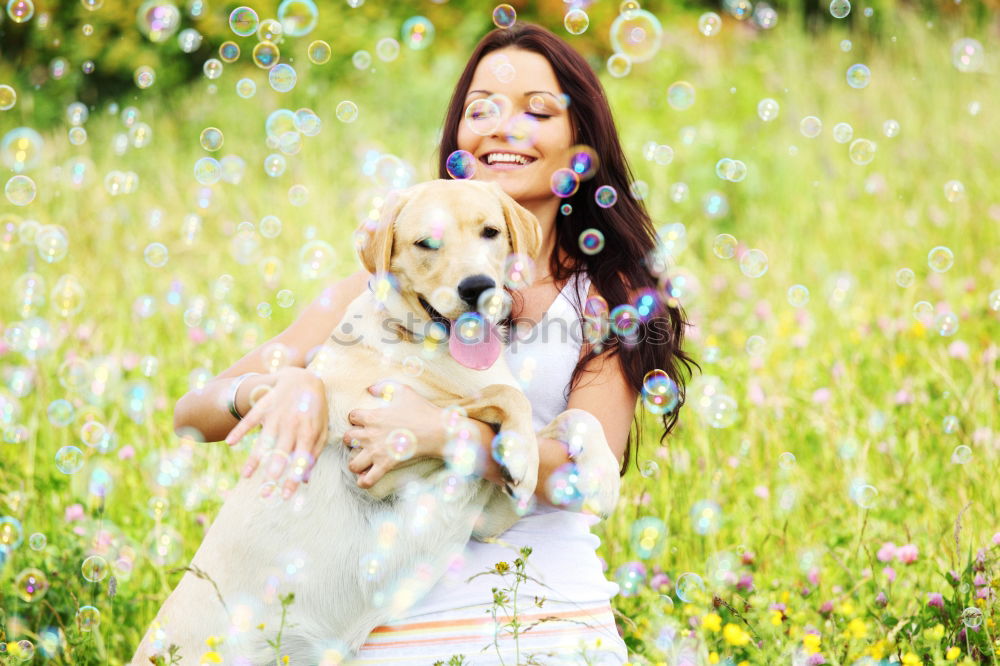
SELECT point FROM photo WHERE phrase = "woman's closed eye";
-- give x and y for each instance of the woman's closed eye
(540, 116)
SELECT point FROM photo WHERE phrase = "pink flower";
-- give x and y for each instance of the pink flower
(907, 554)
(822, 396)
(747, 557)
(659, 581)
(880, 600)
(983, 593)
(889, 573)
(813, 576)
(958, 349)
(197, 335)
(903, 397)
(935, 599)
(887, 553)
(826, 608)
(816, 659)
(762, 492)
(996, 539)
(745, 583)
(979, 580)
(127, 452)
(74, 512)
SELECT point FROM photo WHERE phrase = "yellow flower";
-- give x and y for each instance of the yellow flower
(734, 635)
(776, 617)
(935, 633)
(811, 643)
(856, 628)
(213, 641)
(502, 567)
(284, 659)
(713, 657)
(211, 657)
(910, 659)
(743, 663)
(876, 651)
(953, 652)
(846, 608)
(712, 622)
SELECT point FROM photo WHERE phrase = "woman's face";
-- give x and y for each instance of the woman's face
(531, 138)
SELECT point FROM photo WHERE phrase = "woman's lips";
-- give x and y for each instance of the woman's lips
(507, 166)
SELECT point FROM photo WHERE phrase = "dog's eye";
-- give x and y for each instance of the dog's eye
(491, 232)
(429, 243)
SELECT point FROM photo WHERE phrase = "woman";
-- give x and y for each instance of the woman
(530, 73)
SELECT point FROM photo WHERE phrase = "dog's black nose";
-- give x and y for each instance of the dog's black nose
(471, 287)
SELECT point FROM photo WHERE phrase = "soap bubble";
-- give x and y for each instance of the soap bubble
(619, 65)
(811, 126)
(576, 21)
(31, 585)
(954, 191)
(972, 617)
(767, 109)
(158, 20)
(706, 517)
(904, 277)
(940, 259)
(680, 95)
(319, 52)
(8, 97)
(591, 241)
(461, 165)
(637, 34)
(347, 111)
(690, 587)
(265, 54)
(798, 295)
(724, 246)
(504, 16)
(282, 77)
(946, 324)
(243, 21)
(88, 618)
(246, 88)
(20, 11)
(297, 17)
(417, 32)
(20, 190)
(842, 132)
(387, 49)
(967, 55)
(840, 8)
(69, 460)
(861, 151)
(858, 76)
(605, 196)
(753, 263)
(709, 24)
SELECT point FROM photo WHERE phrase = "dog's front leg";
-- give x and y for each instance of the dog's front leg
(588, 449)
(509, 408)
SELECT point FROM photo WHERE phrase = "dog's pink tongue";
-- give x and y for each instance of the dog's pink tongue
(479, 352)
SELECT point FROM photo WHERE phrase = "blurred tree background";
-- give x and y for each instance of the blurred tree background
(89, 50)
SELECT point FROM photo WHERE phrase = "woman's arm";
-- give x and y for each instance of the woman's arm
(604, 392)
(206, 409)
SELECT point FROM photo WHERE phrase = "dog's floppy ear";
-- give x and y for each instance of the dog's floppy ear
(522, 225)
(375, 244)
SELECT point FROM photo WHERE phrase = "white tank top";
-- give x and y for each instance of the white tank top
(563, 548)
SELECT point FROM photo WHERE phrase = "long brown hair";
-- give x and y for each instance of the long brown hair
(620, 269)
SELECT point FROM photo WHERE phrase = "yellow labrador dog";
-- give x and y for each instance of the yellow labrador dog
(355, 558)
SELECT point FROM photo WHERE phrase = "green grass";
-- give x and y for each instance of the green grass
(815, 214)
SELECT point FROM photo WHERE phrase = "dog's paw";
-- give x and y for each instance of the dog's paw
(598, 483)
(517, 455)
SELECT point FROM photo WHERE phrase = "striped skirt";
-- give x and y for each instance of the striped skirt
(573, 634)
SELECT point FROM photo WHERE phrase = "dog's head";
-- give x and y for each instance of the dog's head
(446, 242)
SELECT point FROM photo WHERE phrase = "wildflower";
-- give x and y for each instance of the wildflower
(935, 599)
(887, 553)
(210, 657)
(776, 617)
(74, 512)
(735, 635)
(878, 650)
(826, 608)
(880, 600)
(952, 653)
(659, 581)
(979, 580)
(712, 622)
(935, 633)
(713, 657)
(811, 643)
(745, 583)
(889, 573)
(996, 539)
(910, 659)
(815, 660)
(857, 628)
(813, 576)
(907, 554)
(127, 452)
(747, 557)
(285, 659)
(502, 567)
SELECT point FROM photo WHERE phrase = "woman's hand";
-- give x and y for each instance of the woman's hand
(404, 410)
(293, 416)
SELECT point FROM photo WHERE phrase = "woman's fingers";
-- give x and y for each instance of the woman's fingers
(371, 477)
(360, 462)
(252, 419)
(283, 450)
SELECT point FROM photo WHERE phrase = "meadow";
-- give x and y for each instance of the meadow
(830, 493)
